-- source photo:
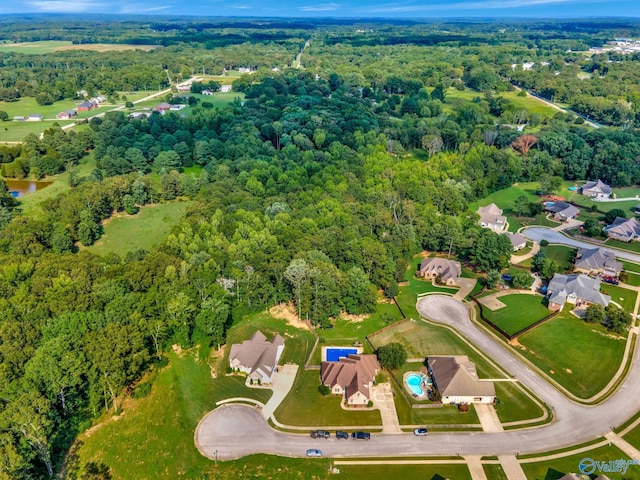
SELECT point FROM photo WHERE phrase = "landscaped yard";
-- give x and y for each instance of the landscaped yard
(566, 348)
(427, 472)
(630, 246)
(149, 227)
(219, 100)
(555, 469)
(514, 404)
(306, 406)
(560, 254)
(622, 296)
(521, 310)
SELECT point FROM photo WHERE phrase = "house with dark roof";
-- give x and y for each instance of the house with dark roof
(597, 261)
(491, 217)
(351, 376)
(456, 379)
(66, 115)
(257, 357)
(624, 229)
(562, 211)
(449, 271)
(517, 240)
(86, 106)
(576, 289)
(597, 189)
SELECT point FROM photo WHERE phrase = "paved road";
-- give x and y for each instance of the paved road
(237, 430)
(541, 233)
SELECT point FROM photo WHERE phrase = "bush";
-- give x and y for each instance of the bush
(544, 243)
(142, 390)
(324, 390)
(522, 93)
(463, 407)
(251, 381)
(370, 403)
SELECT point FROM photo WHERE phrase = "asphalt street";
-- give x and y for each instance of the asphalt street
(234, 431)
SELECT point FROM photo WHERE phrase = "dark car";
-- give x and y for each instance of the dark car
(320, 434)
(420, 432)
(361, 435)
(340, 434)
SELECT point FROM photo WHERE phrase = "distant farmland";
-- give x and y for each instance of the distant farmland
(48, 46)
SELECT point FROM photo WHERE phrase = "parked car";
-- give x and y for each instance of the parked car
(611, 280)
(361, 435)
(320, 434)
(312, 452)
(340, 434)
(421, 432)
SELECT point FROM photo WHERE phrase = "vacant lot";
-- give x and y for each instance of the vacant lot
(48, 46)
(565, 348)
(149, 227)
(521, 310)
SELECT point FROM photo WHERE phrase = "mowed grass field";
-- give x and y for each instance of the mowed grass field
(566, 347)
(48, 46)
(521, 310)
(560, 254)
(623, 297)
(149, 227)
(633, 437)
(556, 468)
(528, 103)
(219, 100)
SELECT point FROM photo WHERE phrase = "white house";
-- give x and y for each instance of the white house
(225, 88)
(491, 217)
(597, 189)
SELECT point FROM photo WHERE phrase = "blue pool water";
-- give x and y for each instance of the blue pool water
(573, 189)
(415, 381)
(335, 354)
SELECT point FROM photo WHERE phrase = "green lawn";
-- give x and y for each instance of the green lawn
(426, 472)
(494, 472)
(219, 100)
(521, 311)
(630, 246)
(555, 469)
(48, 46)
(632, 278)
(160, 427)
(529, 103)
(566, 348)
(515, 404)
(623, 297)
(633, 437)
(16, 131)
(149, 227)
(560, 254)
(306, 406)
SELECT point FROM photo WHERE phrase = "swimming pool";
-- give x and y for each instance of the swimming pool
(414, 382)
(335, 354)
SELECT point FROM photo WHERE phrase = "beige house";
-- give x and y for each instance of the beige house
(597, 261)
(517, 241)
(457, 380)
(576, 289)
(257, 357)
(351, 376)
(624, 229)
(449, 271)
(597, 189)
(491, 217)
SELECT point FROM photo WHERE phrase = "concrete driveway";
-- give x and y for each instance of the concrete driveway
(238, 430)
(541, 233)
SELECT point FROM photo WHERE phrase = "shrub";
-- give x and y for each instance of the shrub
(370, 403)
(463, 407)
(544, 243)
(324, 390)
(251, 381)
(392, 356)
(142, 390)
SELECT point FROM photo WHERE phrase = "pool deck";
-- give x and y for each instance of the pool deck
(329, 347)
(423, 385)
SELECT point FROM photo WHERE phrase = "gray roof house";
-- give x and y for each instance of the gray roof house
(597, 189)
(624, 229)
(448, 270)
(576, 289)
(457, 380)
(257, 357)
(517, 240)
(491, 217)
(597, 261)
(562, 210)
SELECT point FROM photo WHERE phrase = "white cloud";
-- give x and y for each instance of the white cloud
(65, 5)
(467, 5)
(326, 7)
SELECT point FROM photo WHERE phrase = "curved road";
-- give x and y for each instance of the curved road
(234, 431)
(552, 236)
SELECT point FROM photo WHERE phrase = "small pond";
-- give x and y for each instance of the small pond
(18, 188)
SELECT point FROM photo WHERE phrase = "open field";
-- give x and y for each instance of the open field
(623, 297)
(565, 348)
(161, 427)
(555, 469)
(149, 227)
(306, 406)
(521, 311)
(48, 46)
(427, 472)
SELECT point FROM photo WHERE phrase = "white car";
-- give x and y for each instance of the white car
(312, 452)
(421, 432)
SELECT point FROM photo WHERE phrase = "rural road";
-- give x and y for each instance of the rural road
(234, 431)
(542, 233)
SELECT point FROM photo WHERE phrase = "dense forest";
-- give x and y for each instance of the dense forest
(317, 188)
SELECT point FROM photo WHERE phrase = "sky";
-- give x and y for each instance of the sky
(335, 8)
